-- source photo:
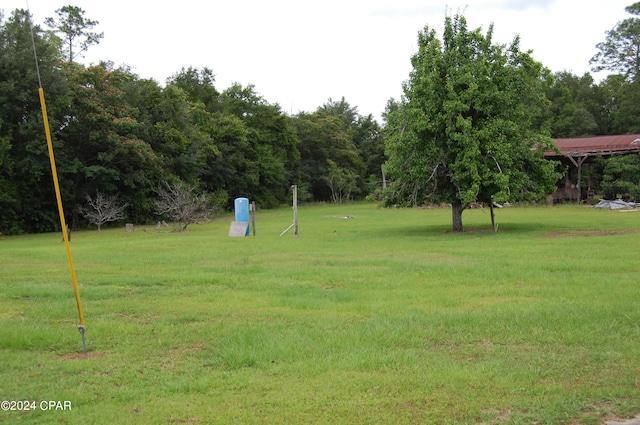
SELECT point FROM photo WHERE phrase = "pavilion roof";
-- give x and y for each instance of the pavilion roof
(597, 146)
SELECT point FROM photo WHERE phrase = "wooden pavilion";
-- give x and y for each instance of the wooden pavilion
(577, 152)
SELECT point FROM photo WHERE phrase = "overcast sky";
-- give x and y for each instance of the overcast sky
(300, 53)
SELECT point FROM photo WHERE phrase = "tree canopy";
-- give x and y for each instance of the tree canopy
(75, 30)
(468, 127)
(620, 52)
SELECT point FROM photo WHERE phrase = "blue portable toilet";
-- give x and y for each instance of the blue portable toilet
(241, 206)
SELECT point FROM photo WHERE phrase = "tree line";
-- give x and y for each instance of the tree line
(117, 134)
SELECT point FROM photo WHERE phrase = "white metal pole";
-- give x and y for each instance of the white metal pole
(295, 209)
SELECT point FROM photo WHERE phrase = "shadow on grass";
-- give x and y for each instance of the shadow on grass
(532, 229)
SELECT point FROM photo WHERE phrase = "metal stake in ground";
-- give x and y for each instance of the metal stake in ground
(84, 343)
(294, 189)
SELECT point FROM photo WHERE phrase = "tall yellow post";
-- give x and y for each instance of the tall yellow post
(63, 223)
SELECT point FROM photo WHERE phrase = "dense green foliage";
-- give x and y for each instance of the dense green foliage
(468, 126)
(621, 177)
(620, 52)
(121, 134)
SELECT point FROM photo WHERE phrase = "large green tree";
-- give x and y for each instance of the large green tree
(199, 86)
(468, 126)
(621, 177)
(75, 30)
(264, 166)
(575, 110)
(101, 148)
(620, 52)
(370, 144)
(366, 136)
(27, 200)
(327, 150)
(623, 103)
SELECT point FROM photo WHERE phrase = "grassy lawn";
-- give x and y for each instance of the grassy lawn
(370, 316)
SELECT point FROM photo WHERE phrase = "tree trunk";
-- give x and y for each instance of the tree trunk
(384, 178)
(456, 216)
(493, 217)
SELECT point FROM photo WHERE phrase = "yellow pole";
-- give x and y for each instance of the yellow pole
(63, 223)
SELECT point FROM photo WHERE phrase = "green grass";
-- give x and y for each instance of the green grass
(385, 317)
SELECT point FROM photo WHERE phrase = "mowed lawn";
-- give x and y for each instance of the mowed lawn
(370, 316)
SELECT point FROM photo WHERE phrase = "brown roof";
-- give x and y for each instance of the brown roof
(600, 145)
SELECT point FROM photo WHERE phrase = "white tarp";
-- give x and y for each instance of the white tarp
(618, 204)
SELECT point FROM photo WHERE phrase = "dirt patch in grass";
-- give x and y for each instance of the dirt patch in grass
(588, 233)
(343, 217)
(83, 356)
(602, 413)
(611, 419)
(185, 421)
